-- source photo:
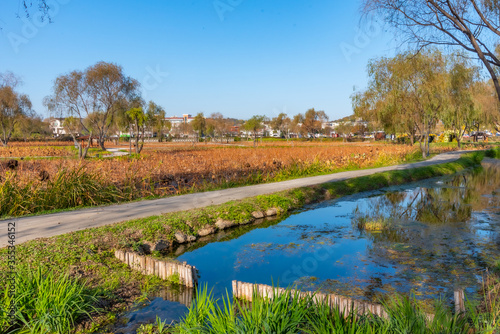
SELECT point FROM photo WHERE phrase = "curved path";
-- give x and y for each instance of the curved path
(29, 228)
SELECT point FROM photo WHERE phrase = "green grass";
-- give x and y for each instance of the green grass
(45, 303)
(493, 153)
(286, 313)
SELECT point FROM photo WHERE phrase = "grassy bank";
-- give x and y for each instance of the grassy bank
(87, 257)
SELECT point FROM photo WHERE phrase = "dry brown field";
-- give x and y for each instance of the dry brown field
(171, 168)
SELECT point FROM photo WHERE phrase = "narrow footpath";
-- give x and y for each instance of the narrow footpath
(29, 228)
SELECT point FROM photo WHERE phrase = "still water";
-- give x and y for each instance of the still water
(432, 237)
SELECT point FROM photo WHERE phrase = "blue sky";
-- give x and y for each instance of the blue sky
(236, 57)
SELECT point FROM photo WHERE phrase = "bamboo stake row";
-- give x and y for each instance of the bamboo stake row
(246, 291)
(188, 275)
(185, 296)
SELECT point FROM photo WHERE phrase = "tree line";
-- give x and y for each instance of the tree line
(411, 92)
(102, 100)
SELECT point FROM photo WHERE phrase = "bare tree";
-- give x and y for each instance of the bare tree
(282, 123)
(472, 25)
(219, 124)
(95, 95)
(313, 121)
(32, 6)
(72, 125)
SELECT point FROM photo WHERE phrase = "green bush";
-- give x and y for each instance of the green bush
(492, 153)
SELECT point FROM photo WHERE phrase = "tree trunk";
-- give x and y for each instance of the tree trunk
(6, 139)
(141, 146)
(84, 153)
(101, 143)
(137, 143)
(80, 152)
(422, 149)
(428, 148)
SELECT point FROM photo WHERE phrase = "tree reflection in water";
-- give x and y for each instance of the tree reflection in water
(435, 236)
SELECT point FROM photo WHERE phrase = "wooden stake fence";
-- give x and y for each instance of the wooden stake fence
(188, 275)
(185, 296)
(246, 291)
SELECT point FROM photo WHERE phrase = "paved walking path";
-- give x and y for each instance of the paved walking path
(29, 228)
(116, 152)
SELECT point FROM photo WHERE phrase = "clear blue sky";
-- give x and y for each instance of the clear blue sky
(236, 57)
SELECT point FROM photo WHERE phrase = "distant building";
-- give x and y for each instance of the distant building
(56, 125)
(177, 121)
(234, 130)
(57, 128)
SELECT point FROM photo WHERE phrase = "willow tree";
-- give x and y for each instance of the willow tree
(95, 95)
(388, 100)
(472, 26)
(405, 94)
(156, 119)
(461, 111)
(254, 125)
(13, 106)
(487, 104)
(139, 120)
(199, 124)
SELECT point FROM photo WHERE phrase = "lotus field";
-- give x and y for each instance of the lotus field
(35, 185)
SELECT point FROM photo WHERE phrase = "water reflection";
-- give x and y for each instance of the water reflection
(435, 237)
(170, 304)
(432, 237)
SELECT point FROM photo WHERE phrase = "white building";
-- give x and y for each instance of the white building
(58, 130)
(56, 125)
(177, 121)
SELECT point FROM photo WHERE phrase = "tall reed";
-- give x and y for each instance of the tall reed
(68, 188)
(45, 303)
(286, 313)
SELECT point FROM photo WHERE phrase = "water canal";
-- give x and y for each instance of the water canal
(426, 238)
